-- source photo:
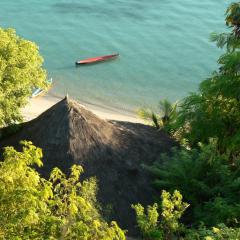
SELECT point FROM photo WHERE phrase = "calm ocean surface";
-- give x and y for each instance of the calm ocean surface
(164, 46)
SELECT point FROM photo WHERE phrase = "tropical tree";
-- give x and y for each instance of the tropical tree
(20, 71)
(59, 208)
(213, 112)
(163, 118)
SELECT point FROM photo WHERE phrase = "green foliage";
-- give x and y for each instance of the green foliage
(149, 116)
(20, 71)
(221, 232)
(230, 40)
(163, 118)
(207, 172)
(213, 112)
(59, 208)
(206, 180)
(148, 222)
(173, 208)
(233, 17)
(163, 225)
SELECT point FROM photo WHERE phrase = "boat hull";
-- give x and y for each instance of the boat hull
(39, 91)
(96, 59)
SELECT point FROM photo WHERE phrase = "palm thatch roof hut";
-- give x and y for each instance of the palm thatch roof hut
(112, 151)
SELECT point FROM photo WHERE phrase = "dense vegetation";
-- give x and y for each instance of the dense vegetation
(163, 222)
(59, 208)
(20, 71)
(205, 168)
(155, 225)
(206, 180)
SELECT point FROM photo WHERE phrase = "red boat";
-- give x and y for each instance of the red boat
(97, 59)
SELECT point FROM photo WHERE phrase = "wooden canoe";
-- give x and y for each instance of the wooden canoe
(97, 59)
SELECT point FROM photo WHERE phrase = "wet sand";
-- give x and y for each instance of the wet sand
(40, 104)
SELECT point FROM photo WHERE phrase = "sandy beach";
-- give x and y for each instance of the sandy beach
(40, 104)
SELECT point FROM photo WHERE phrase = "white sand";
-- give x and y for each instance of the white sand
(40, 104)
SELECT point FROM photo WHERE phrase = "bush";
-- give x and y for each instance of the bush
(59, 208)
(160, 226)
(207, 181)
(163, 223)
(221, 232)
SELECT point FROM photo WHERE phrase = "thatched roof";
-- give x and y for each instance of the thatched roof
(112, 151)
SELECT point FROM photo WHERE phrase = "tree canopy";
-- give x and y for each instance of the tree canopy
(205, 167)
(213, 112)
(20, 71)
(59, 208)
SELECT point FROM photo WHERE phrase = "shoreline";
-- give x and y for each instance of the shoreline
(40, 104)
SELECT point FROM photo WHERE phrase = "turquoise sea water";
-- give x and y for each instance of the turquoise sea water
(164, 45)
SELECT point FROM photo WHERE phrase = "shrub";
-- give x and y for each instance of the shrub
(161, 225)
(207, 181)
(221, 232)
(59, 208)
